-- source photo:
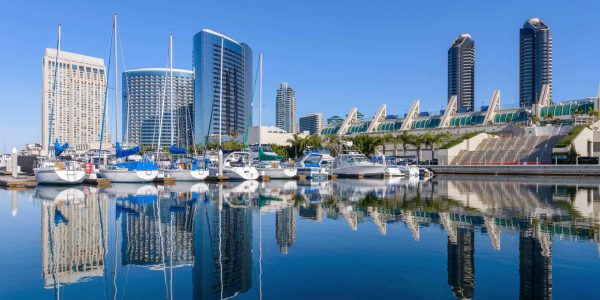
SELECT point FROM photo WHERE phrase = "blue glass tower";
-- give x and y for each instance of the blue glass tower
(237, 86)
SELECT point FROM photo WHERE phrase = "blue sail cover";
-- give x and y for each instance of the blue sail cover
(177, 150)
(58, 148)
(126, 152)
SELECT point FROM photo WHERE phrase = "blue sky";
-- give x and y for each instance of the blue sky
(336, 54)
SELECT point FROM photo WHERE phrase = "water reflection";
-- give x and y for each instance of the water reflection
(215, 231)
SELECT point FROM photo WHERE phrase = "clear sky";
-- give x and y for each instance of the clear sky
(335, 54)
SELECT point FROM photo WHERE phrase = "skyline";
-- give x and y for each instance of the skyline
(315, 56)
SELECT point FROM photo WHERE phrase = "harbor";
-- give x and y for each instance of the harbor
(483, 229)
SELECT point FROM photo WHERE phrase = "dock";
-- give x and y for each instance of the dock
(217, 178)
(536, 170)
(98, 182)
(165, 180)
(21, 182)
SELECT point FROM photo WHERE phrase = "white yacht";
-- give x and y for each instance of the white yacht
(236, 166)
(311, 166)
(129, 171)
(185, 167)
(270, 164)
(355, 164)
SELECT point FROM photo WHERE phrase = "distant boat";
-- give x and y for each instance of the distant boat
(130, 171)
(355, 164)
(269, 163)
(312, 166)
(236, 166)
(185, 167)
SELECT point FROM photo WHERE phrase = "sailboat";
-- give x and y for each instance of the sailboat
(183, 167)
(269, 163)
(237, 165)
(52, 170)
(124, 170)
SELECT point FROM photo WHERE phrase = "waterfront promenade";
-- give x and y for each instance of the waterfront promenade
(538, 170)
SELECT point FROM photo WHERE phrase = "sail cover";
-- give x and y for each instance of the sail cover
(177, 150)
(262, 156)
(126, 152)
(58, 148)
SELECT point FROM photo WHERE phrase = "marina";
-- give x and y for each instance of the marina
(444, 238)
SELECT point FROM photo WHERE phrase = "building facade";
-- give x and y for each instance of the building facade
(335, 120)
(313, 123)
(285, 115)
(78, 101)
(237, 89)
(148, 111)
(461, 72)
(535, 61)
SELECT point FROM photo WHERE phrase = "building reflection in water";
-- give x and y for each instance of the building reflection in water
(73, 235)
(285, 220)
(461, 263)
(223, 244)
(209, 227)
(156, 233)
(535, 264)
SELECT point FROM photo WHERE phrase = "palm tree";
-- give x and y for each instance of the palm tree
(366, 144)
(386, 139)
(314, 140)
(405, 139)
(434, 140)
(297, 142)
(418, 141)
(333, 144)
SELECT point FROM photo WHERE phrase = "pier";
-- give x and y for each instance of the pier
(20, 182)
(537, 170)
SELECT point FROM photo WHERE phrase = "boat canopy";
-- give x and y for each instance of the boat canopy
(262, 156)
(177, 150)
(58, 148)
(126, 152)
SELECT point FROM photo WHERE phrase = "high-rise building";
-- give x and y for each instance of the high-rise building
(461, 72)
(77, 105)
(535, 265)
(535, 61)
(285, 116)
(147, 97)
(235, 86)
(285, 220)
(313, 123)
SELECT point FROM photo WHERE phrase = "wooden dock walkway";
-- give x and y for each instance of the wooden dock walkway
(21, 182)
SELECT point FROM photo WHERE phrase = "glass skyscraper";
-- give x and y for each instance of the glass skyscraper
(461, 72)
(237, 88)
(535, 61)
(143, 92)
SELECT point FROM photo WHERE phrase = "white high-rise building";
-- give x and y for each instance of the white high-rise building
(286, 108)
(78, 100)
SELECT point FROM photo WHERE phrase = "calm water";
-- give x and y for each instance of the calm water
(447, 238)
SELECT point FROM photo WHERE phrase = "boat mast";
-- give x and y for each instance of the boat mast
(221, 93)
(53, 95)
(116, 77)
(171, 87)
(260, 78)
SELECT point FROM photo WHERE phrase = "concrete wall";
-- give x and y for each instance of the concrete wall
(271, 135)
(447, 155)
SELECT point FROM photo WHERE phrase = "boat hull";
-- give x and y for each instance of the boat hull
(186, 175)
(277, 173)
(360, 171)
(126, 176)
(393, 172)
(236, 173)
(312, 173)
(62, 177)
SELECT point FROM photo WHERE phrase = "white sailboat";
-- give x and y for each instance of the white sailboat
(184, 167)
(270, 164)
(126, 171)
(52, 170)
(237, 165)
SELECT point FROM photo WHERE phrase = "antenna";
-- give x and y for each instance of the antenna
(171, 87)
(116, 77)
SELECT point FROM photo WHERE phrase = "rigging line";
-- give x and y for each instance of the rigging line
(105, 97)
(115, 258)
(247, 127)
(161, 112)
(53, 269)
(162, 249)
(103, 247)
(53, 95)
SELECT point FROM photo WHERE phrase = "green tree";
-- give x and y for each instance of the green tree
(418, 141)
(298, 144)
(384, 140)
(433, 141)
(404, 139)
(333, 144)
(366, 144)
(314, 140)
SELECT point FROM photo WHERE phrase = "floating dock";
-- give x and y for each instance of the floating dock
(165, 180)
(21, 182)
(98, 182)
(217, 178)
